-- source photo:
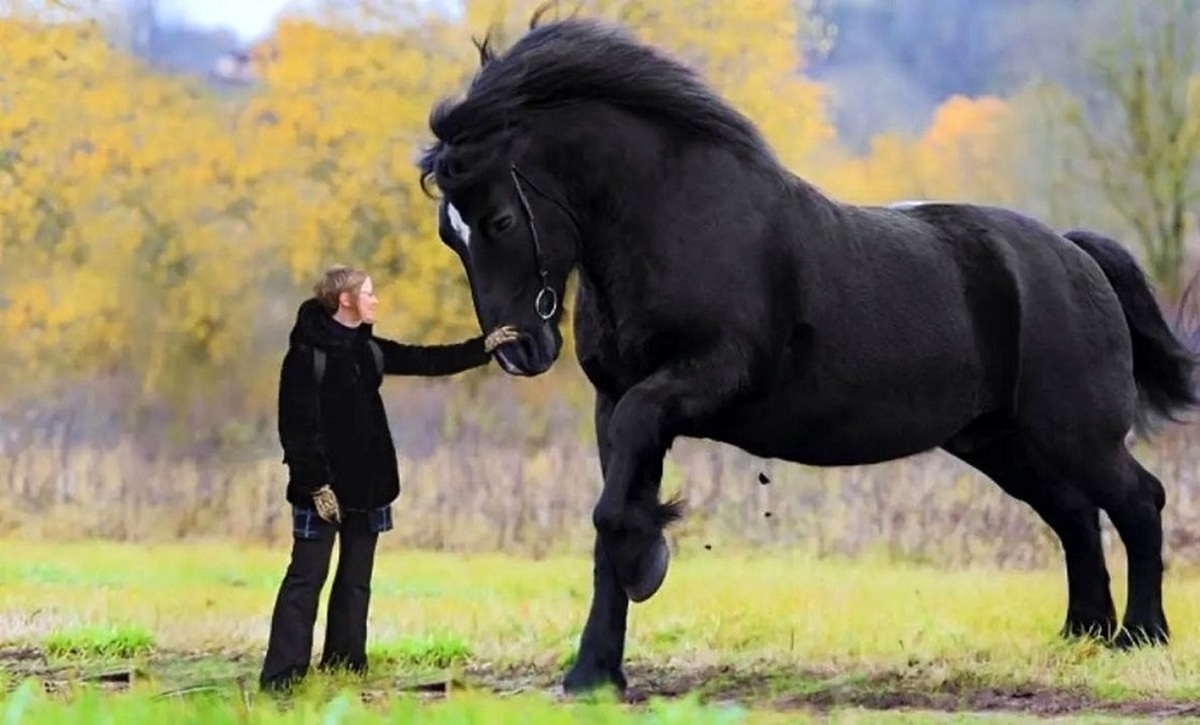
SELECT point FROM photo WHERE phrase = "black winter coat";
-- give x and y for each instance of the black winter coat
(341, 436)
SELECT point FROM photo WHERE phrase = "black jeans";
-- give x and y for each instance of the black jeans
(289, 647)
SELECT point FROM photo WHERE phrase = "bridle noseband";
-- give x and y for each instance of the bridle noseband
(546, 303)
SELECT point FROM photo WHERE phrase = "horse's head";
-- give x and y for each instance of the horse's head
(571, 129)
(517, 241)
(504, 214)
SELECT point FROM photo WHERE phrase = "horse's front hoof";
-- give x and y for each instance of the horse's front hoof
(652, 572)
(1100, 629)
(586, 677)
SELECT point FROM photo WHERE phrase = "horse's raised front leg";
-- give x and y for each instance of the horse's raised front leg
(629, 518)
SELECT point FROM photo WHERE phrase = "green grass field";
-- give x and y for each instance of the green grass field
(137, 633)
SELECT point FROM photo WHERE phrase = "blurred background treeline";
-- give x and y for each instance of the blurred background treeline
(169, 192)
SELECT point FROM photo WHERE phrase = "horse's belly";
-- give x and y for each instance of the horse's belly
(817, 431)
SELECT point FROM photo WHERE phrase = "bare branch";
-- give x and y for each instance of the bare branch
(1143, 134)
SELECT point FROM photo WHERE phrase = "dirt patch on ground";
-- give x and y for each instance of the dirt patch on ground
(769, 686)
(1027, 699)
(823, 691)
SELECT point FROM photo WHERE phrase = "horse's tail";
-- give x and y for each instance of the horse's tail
(1163, 367)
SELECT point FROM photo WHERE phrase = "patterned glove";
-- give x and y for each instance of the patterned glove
(327, 504)
(498, 337)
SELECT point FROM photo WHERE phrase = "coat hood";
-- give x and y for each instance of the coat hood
(316, 328)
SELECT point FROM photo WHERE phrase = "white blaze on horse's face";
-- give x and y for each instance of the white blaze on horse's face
(460, 227)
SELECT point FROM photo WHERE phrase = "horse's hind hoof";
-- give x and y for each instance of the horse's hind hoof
(652, 573)
(1134, 638)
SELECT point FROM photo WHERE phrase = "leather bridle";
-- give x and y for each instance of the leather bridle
(546, 302)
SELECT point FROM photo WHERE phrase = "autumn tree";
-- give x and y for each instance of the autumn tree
(959, 157)
(338, 126)
(158, 233)
(146, 224)
(889, 170)
(112, 261)
(334, 135)
(963, 150)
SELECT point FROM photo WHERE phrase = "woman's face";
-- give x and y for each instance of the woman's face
(363, 305)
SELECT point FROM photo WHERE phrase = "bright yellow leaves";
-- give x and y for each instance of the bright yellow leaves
(961, 152)
(347, 115)
(960, 157)
(112, 180)
(142, 220)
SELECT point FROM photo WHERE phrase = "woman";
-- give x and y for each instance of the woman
(342, 464)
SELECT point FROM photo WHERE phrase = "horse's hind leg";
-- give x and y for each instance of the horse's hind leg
(1100, 466)
(1134, 498)
(1001, 456)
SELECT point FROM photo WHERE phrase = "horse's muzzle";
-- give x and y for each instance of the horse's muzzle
(530, 354)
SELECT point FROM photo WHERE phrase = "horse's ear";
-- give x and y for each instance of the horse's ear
(486, 54)
(541, 10)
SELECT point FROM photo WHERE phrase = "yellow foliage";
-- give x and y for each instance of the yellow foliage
(960, 153)
(142, 219)
(959, 157)
(960, 117)
(345, 113)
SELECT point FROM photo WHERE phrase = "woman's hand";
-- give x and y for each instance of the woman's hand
(499, 336)
(327, 504)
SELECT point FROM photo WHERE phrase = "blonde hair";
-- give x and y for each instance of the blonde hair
(334, 281)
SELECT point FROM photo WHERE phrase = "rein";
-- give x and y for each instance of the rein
(546, 303)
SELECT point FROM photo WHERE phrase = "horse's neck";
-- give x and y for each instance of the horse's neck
(603, 291)
(605, 266)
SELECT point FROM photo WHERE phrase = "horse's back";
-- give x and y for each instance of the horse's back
(926, 318)
(904, 335)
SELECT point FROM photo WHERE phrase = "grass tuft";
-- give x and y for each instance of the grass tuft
(434, 651)
(108, 642)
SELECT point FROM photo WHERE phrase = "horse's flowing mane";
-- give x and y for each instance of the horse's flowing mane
(585, 60)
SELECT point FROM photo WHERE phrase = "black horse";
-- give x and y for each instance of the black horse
(722, 297)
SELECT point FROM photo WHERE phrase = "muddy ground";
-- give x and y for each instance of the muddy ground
(181, 674)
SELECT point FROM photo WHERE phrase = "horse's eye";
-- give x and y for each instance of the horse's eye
(501, 223)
